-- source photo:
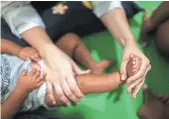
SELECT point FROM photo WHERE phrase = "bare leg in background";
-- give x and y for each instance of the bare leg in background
(72, 45)
(160, 14)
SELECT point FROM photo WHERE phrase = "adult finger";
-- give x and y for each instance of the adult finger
(133, 84)
(140, 73)
(135, 91)
(49, 92)
(123, 72)
(60, 94)
(76, 68)
(68, 92)
(24, 72)
(88, 71)
(74, 87)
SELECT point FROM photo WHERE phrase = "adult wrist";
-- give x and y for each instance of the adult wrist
(46, 48)
(129, 41)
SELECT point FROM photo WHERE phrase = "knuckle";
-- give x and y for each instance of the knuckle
(60, 95)
(74, 90)
(70, 95)
(62, 98)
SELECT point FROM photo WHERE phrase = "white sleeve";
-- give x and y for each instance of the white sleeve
(102, 7)
(21, 18)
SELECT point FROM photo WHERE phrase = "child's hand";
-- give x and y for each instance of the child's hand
(29, 53)
(30, 80)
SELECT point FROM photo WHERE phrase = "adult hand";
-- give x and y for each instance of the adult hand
(136, 81)
(60, 71)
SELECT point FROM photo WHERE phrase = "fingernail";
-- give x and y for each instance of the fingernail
(128, 90)
(133, 96)
(54, 102)
(81, 96)
(122, 77)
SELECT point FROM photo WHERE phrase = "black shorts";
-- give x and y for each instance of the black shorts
(77, 19)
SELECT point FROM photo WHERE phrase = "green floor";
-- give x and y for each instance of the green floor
(117, 104)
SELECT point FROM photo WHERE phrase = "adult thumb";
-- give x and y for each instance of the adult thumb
(123, 72)
(76, 68)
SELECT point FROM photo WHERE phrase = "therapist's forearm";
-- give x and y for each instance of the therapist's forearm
(37, 38)
(116, 22)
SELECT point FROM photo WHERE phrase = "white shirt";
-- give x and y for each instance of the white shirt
(21, 16)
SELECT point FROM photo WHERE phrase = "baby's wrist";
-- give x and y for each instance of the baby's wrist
(18, 51)
(22, 89)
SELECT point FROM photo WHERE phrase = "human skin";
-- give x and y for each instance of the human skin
(27, 83)
(64, 83)
(159, 15)
(73, 46)
(25, 53)
(91, 83)
(88, 83)
(116, 22)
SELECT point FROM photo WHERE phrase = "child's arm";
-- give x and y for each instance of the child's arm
(25, 53)
(27, 83)
(10, 47)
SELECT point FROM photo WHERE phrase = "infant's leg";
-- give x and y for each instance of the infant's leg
(91, 83)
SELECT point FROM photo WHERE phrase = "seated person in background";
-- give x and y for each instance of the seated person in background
(159, 21)
(153, 107)
(23, 87)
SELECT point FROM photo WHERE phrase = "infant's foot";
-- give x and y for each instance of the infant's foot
(152, 107)
(100, 67)
(133, 65)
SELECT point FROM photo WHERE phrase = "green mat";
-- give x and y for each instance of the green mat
(117, 104)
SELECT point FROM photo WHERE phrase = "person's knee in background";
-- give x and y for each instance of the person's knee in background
(68, 42)
(162, 40)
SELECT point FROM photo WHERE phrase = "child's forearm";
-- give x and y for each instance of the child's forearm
(13, 103)
(9, 47)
